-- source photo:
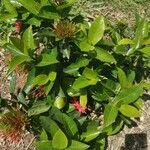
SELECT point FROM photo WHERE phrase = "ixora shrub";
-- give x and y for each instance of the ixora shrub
(83, 79)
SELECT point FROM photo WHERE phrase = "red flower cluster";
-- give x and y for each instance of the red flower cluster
(18, 26)
(78, 106)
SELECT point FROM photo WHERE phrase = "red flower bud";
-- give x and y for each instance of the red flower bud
(18, 25)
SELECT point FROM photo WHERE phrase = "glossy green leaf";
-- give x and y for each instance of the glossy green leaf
(145, 51)
(38, 108)
(34, 21)
(48, 59)
(139, 103)
(40, 79)
(146, 41)
(80, 83)
(6, 16)
(49, 87)
(49, 125)
(96, 31)
(60, 140)
(127, 96)
(31, 6)
(91, 133)
(141, 33)
(85, 46)
(49, 12)
(44, 2)
(110, 114)
(83, 100)
(28, 40)
(101, 144)
(125, 41)
(104, 55)
(52, 76)
(129, 111)
(9, 7)
(67, 4)
(69, 125)
(44, 145)
(122, 78)
(60, 102)
(81, 62)
(114, 128)
(131, 77)
(43, 136)
(76, 145)
(90, 74)
(13, 49)
(17, 43)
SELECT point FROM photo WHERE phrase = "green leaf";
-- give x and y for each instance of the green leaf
(69, 125)
(125, 41)
(60, 140)
(80, 83)
(38, 108)
(34, 21)
(17, 43)
(76, 145)
(114, 128)
(28, 40)
(43, 136)
(139, 103)
(60, 102)
(13, 49)
(49, 87)
(85, 46)
(7, 16)
(91, 133)
(44, 2)
(83, 100)
(131, 77)
(122, 78)
(17, 60)
(81, 62)
(44, 145)
(90, 74)
(89, 77)
(145, 51)
(52, 76)
(96, 30)
(49, 125)
(40, 79)
(110, 114)
(104, 56)
(127, 96)
(48, 59)
(67, 4)
(129, 111)
(9, 7)
(146, 41)
(101, 143)
(31, 6)
(49, 12)
(141, 33)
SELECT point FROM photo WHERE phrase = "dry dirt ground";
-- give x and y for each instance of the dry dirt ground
(135, 138)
